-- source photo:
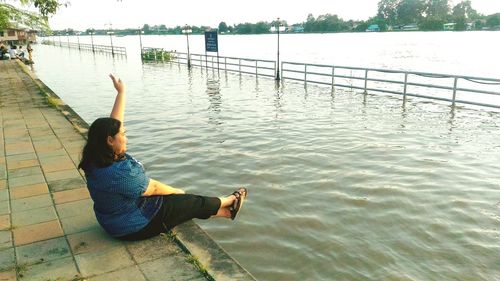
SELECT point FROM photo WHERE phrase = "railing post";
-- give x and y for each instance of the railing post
(333, 78)
(239, 66)
(405, 86)
(256, 69)
(305, 74)
(282, 70)
(366, 81)
(225, 64)
(454, 91)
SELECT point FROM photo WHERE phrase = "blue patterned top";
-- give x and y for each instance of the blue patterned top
(116, 191)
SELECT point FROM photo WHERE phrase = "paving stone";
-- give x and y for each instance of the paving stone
(25, 172)
(51, 154)
(46, 146)
(59, 163)
(4, 222)
(76, 208)
(170, 268)
(4, 207)
(29, 191)
(67, 184)
(18, 148)
(4, 195)
(108, 260)
(37, 232)
(5, 239)
(8, 275)
(84, 222)
(3, 171)
(7, 259)
(43, 251)
(141, 250)
(34, 202)
(62, 175)
(70, 195)
(3, 184)
(94, 240)
(132, 273)
(28, 180)
(22, 161)
(61, 269)
(34, 216)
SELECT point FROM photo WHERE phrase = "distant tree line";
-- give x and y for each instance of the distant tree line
(428, 15)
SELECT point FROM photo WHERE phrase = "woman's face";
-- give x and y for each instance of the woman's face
(119, 142)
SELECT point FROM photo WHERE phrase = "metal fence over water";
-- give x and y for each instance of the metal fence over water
(115, 50)
(457, 89)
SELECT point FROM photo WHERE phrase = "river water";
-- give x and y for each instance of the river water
(342, 186)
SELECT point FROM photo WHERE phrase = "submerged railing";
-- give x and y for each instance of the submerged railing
(240, 65)
(450, 88)
(115, 50)
(457, 89)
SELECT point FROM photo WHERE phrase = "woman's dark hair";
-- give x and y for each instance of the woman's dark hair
(97, 153)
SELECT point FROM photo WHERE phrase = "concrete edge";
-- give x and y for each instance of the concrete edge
(189, 236)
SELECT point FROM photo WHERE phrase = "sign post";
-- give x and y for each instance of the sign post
(211, 45)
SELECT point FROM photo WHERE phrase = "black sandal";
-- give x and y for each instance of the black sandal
(240, 195)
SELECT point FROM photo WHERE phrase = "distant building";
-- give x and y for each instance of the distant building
(410, 27)
(17, 35)
(449, 26)
(373, 28)
(297, 28)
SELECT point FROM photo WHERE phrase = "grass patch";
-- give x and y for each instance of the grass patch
(197, 264)
(54, 102)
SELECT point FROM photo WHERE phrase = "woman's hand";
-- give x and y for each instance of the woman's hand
(119, 85)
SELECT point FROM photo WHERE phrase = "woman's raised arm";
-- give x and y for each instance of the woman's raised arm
(118, 111)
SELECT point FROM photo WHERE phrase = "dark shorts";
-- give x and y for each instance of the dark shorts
(176, 209)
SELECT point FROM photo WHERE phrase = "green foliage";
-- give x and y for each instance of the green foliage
(325, 23)
(157, 54)
(493, 20)
(223, 27)
(464, 10)
(432, 24)
(11, 16)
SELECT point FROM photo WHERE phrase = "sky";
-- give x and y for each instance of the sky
(83, 14)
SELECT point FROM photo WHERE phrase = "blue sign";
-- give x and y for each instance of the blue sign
(211, 43)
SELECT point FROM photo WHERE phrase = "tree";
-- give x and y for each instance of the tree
(261, 28)
(437, 9)
(146, 29)
(309, 26)
(410, 11)
(30, 19)
(462, 13)
(464, 10)
(388, 10)
(493, 20)
(222, 27)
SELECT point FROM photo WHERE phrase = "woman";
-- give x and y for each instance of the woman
(128, 204)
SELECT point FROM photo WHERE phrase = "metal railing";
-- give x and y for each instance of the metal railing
(240, 65)
(449, 88)
(457, 89)
(116, 50)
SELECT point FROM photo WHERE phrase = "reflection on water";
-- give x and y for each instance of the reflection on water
(343, 185)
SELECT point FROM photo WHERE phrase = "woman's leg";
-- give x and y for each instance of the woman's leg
(225, 204)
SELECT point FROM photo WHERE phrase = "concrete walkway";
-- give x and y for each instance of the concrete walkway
(47, 226)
